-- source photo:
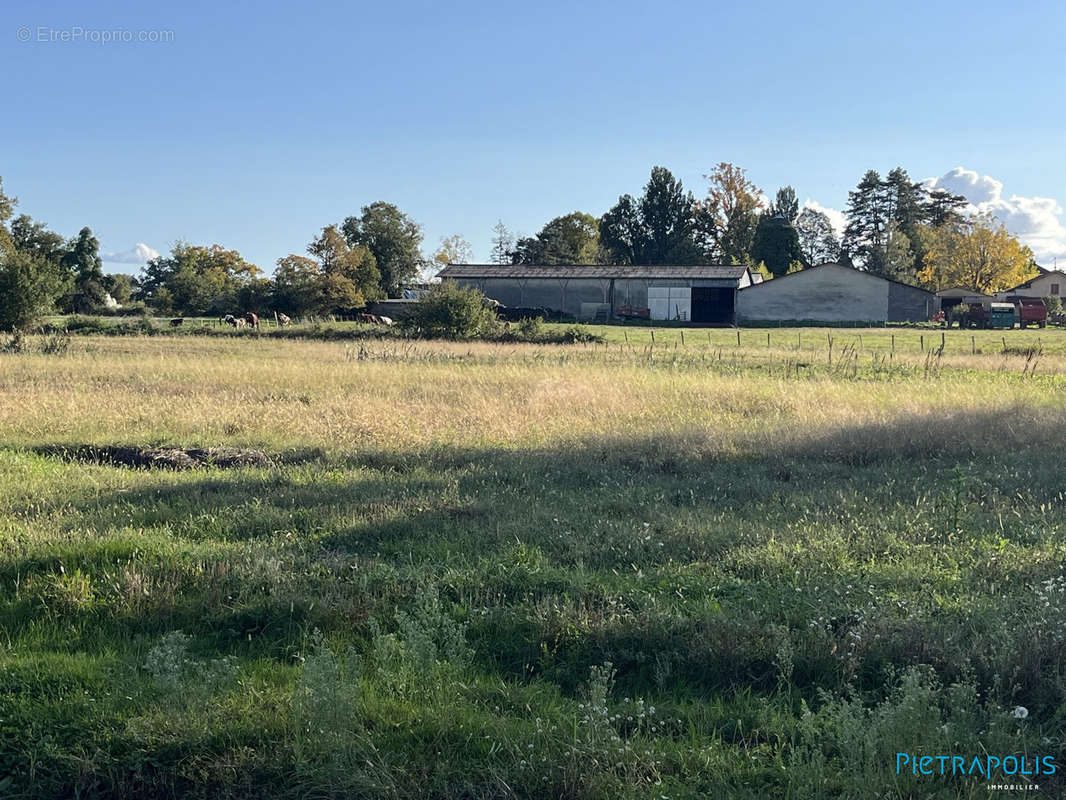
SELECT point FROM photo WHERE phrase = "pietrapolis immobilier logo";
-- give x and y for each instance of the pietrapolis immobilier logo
(989, 767)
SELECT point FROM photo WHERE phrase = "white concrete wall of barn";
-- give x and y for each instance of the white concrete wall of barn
(822, 294)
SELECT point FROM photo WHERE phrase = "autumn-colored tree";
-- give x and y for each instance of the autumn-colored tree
(729, 214)
(453, 250)
(981, 256)
(349, 276)
(197, 279)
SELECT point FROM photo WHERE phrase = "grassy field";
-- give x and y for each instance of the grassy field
(470, 570)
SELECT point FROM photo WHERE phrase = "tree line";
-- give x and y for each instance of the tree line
(895, 227)
(364, 258)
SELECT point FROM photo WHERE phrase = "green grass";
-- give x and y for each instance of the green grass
(802, 573)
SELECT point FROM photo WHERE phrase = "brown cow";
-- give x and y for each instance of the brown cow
(252, 320)
(283, 320)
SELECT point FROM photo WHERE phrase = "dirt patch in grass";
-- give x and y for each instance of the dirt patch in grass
(160, 457)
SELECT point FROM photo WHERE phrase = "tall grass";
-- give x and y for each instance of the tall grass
(476, 570)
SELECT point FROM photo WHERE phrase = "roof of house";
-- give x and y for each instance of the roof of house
(707, 271)
(1043, 273)
(808, 270)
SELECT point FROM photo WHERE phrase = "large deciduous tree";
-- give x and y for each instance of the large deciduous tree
(196, 280)
(35, 239)
(729, 214)
(817, 240)
(29, 287)
(350, 275)
(570, 239)
(981, 256)
(393, 238)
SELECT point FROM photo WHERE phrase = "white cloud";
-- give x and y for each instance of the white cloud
(140, 253)
(1036, 221)
(836, 217)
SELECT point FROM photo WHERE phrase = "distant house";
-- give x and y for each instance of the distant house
(1047, 283)
(701, 294)
(834, 293)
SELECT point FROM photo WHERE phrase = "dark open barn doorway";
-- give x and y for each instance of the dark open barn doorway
(713, 305)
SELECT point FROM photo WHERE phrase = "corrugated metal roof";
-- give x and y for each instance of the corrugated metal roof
(589, 271)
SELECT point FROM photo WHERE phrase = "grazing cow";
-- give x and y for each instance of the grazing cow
(283, 320)
(373, 319)
(229, 319)
(252, 320)
(239, 322)
(176, 322)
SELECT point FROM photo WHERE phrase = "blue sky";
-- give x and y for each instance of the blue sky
(257, 124)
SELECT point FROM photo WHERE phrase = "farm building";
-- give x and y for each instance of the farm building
(1048, 283)
(834, 293)
(959, 295)
(702, 294)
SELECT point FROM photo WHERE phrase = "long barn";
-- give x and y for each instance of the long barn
(700, 294)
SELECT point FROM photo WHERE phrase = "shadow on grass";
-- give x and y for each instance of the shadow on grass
(680, 566)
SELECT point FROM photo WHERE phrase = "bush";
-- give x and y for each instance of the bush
(452, 311)
(86, 324)
(530, 328)
(575, 334)
(1053, 303)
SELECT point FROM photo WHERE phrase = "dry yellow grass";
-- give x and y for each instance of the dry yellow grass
(343, 398)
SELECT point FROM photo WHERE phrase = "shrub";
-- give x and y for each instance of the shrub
(452, 311)
(530, 328)
(88, 324)
(575, 334)
(1053, 304)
